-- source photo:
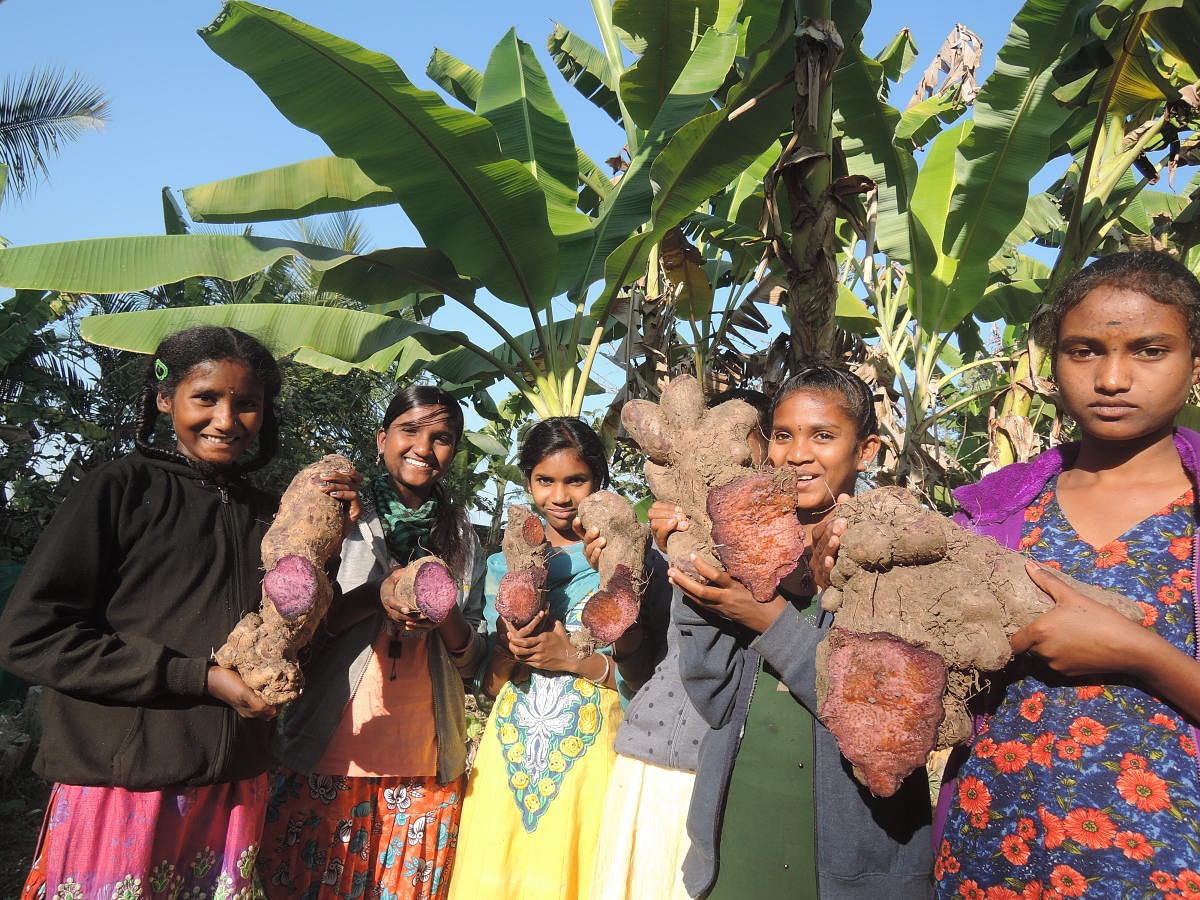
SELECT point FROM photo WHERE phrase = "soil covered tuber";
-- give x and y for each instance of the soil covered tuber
(614, 607)
(691, 450)
(923, 607)
(306, 533)
(427, 585)
(521, 594)
(755, 529)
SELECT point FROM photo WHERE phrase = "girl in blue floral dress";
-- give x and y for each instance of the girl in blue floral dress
(1083, 779)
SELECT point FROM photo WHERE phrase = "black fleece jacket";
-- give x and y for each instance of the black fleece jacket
(139, 577)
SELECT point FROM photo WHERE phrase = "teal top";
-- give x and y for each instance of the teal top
(570, 580)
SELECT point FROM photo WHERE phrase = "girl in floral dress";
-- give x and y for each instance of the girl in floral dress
(1083, 780)
(158, 756)
(534, 804)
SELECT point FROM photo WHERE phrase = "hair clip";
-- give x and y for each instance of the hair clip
(160, 370)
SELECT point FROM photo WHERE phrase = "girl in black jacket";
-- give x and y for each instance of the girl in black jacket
(157, 755)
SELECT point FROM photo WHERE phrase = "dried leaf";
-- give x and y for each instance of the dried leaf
(954, 66)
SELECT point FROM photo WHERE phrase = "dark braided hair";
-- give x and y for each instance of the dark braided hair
(564, 433)
(447, 534)
(177, 355)
(1160, 277)
(856, 396)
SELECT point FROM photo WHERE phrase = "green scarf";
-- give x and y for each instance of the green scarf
(406, 530)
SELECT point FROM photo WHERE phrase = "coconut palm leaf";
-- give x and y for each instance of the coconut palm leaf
(39, 112)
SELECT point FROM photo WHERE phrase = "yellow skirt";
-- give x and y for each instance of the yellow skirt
(644, 839)
(532, 814)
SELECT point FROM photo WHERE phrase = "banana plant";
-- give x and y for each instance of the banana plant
(1132, 80)
(493, 187)
(940, 225)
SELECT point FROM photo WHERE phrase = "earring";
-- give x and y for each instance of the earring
(378, 459)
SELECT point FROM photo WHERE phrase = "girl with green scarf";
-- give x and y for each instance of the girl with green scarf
(367, 797)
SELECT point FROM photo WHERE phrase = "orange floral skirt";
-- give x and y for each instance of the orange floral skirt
(337, 836)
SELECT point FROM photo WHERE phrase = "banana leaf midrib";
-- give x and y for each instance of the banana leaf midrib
(480, 207)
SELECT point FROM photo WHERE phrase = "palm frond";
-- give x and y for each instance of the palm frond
(38, 113)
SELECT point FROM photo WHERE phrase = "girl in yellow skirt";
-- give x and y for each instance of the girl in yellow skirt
(532, 814)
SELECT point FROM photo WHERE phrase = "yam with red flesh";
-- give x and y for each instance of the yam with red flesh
(521, 594)
(909, 573)
(427, 586)
(691, 450)
(755, 529)
(306, 533)
(884, 703)
(612, 609)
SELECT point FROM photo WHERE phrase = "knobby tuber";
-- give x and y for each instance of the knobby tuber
(614, 607)
(427, 585)
(521, 594)
(691, 450)
(923, 607)
(755, 529)
(306, 533)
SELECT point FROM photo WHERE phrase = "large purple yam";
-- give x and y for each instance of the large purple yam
(435, 590)
(292, 586)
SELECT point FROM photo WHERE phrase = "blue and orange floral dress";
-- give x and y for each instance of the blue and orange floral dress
(1076, 789)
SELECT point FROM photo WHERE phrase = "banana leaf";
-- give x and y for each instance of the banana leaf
(532, 128)
(868, 126)
(486, 213)
(628, 206)
(665, 33)
(323, 185)
(125, 264)
(347, 336)
(586, 69)
(1008, 143)
(455, 77)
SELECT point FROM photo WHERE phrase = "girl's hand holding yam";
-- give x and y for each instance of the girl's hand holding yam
(666, 518)
(1082, 637)
(593, 543)
(550, 650)
(506, 631)
(408, 618)
(727, 597)
(227, 686)
(345, 487)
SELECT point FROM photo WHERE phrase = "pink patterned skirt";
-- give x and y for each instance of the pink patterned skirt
(177, 842)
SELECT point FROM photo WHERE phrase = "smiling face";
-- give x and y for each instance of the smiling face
(417, 448)
(1124, 364)
(557, 485)
(216, 411)
(813, 433)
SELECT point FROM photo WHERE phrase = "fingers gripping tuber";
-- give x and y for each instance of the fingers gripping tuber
(521, 594)
(691, 450)
(923, 607)
(307, 531)
(614, 607)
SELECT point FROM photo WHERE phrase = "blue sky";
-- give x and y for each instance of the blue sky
(181, 116)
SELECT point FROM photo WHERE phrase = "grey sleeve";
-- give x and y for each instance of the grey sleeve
(790, 648)
(655, 618)
(710, 660)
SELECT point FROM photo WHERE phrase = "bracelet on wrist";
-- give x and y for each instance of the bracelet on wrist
(599, 682)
